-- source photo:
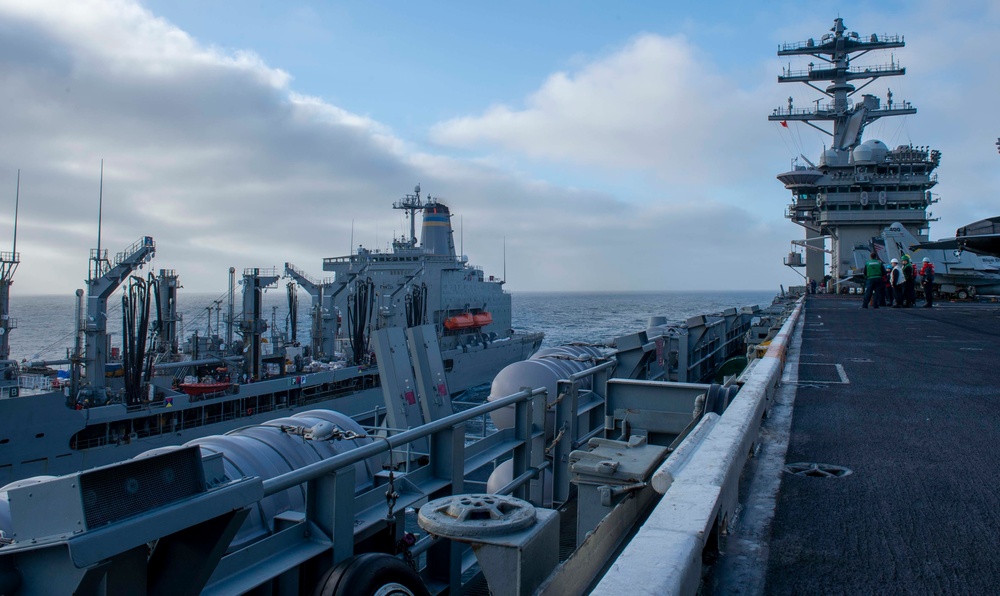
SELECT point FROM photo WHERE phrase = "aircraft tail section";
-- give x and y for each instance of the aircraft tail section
(879, 246)
(899, 241)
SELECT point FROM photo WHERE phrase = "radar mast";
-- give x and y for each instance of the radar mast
(411, 204)
(835, 51)
(8, 264)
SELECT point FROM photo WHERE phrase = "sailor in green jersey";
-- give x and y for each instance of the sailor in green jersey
(873, 281)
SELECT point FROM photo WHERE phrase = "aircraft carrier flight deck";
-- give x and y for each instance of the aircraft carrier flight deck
(889, 481)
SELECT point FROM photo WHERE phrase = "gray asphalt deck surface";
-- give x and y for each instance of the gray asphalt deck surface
(918, 424)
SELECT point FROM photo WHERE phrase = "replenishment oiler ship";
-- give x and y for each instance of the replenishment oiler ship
(830, 463)
(160, 392)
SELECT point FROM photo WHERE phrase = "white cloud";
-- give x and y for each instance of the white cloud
(655, 105)
(216, 156)
(661, 108)
(203, 149)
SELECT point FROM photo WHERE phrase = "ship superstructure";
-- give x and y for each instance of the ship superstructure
(414, 284)
(114, 406)
(857, 188)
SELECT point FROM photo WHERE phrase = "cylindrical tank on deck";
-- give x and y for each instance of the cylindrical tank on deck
(545, 369)
(269, 450)
(266, 450)
(504, 473)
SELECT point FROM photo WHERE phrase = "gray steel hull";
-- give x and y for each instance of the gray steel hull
(38, 430)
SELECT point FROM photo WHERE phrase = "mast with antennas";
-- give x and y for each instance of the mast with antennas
(8, 264)
(103, 279)
(411, 204)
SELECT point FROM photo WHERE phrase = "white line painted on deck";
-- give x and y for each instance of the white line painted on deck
(840, 373)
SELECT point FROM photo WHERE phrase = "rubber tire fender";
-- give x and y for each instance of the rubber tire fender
(718, 398)
(733, 390)
(365, 574)
(712, 399)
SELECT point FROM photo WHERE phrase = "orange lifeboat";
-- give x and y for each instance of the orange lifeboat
(462, 321)
(482, 319)
(198, 389)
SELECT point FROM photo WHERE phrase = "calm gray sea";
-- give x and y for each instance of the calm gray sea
(45, 323)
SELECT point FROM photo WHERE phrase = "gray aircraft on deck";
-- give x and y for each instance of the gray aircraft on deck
(981, 237)
(958, 273)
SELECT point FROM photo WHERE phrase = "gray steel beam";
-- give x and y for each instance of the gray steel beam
(398, 383)
(431, 383)
(444, 558)
(183, 562)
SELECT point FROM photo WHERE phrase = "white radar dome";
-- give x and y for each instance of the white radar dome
(872, 150)
(829, 157)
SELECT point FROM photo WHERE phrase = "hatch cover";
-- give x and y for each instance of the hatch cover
(817, 470)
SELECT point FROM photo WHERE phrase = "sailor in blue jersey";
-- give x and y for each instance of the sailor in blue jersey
(873, 281)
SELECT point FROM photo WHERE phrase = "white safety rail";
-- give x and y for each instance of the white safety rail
(35, 382)
(700, 481)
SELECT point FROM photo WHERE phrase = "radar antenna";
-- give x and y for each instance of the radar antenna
(411, 204)
(835, 51)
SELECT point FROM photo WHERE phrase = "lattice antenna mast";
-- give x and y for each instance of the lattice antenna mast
(8, 264)
(10, 261)
(411, 204)
(836, 50)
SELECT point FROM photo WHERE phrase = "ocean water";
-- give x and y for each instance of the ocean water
(599, 317)
(45, 324)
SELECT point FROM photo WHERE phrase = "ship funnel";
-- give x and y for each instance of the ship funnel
(435, 236)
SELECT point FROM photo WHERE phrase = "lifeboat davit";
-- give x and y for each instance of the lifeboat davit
(482, 319)
(462, 321)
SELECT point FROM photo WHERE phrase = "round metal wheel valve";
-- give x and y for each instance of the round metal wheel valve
(473, 515)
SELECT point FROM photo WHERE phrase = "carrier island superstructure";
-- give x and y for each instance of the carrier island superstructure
(858, 188)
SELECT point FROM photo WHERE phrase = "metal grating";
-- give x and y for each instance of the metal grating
(115, 492)
(567, 529)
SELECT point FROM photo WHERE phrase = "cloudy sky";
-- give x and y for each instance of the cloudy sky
(609, 145)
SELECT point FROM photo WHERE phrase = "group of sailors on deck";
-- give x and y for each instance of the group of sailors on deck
(895, 285)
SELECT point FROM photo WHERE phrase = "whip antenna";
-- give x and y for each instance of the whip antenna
(17, 198)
